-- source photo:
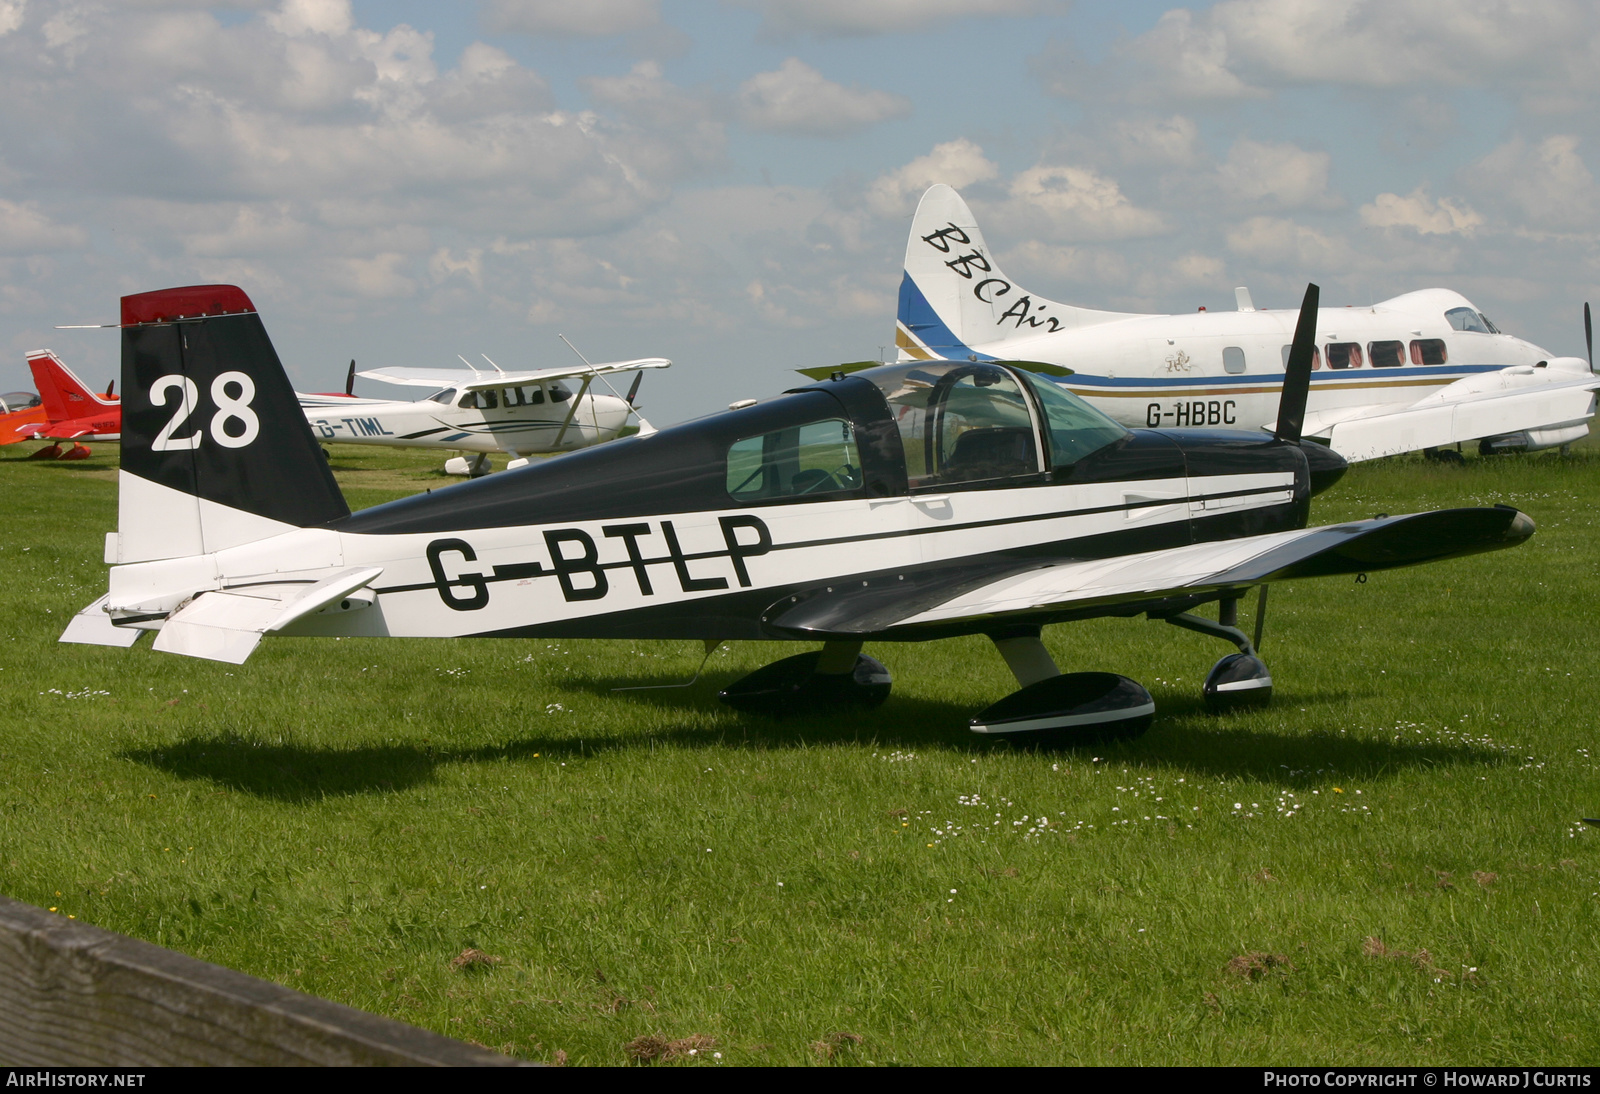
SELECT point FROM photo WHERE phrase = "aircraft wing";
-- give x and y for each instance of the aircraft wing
(1468, 413)
(106, 426)
(1008, 590)
(471, 380)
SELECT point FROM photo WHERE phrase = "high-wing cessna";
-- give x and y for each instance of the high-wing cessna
(483, 411)
(904, 503)
(1418, 371)
(68, 411)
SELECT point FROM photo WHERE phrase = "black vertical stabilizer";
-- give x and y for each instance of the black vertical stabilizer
(1297, 374)
(207, 409)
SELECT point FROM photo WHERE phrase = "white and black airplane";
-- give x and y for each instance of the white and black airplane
(1418, 371)
(483, 411)
(908, 502)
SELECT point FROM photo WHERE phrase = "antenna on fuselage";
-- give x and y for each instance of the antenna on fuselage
(497, 368)
(1297, 373)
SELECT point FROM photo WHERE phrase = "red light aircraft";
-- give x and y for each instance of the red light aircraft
(68, 411)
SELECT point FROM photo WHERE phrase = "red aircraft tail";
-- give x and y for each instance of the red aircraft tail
(65, 396)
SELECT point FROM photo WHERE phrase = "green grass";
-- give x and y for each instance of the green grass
(346, 817)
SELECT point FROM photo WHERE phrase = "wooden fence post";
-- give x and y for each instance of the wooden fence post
(76, 995)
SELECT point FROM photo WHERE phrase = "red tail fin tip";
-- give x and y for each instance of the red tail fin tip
(187, 302)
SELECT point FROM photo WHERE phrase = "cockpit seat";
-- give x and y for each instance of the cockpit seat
(994, 453)
(813, 480)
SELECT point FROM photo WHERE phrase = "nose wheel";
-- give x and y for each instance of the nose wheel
(1240, 679)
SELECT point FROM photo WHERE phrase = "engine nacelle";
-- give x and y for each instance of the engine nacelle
(1532, 440)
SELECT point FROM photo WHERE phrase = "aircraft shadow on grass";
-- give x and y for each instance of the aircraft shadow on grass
(1202, 745)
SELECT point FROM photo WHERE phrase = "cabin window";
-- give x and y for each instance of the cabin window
(1075, 428)
(811, 460)
(1344, 354)
(1466, 319)
(1387, 354)
(1316, 357)
(521, 396)
(447, 396)
(479, 400)
(1428, 351)
(1232, 360)
(559, 392)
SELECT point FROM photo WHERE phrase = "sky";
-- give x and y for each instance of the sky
(730, 183)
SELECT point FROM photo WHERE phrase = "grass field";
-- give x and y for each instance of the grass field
(1384, 867)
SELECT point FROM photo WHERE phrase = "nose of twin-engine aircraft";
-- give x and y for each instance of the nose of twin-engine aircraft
(1327, 466)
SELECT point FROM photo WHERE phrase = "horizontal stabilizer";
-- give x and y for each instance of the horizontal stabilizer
(93, 627)
(975, 595)
(473, 380)
(227, 626)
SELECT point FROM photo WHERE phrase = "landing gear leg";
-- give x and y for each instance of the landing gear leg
(1057, 708)
(1239, 679)
(839, 674)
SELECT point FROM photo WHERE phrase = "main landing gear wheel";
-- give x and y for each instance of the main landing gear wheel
(48, 452)
(76, 452)
(795, 686)
(1075, 708)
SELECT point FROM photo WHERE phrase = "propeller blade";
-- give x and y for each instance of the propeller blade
(1297, 375)
(633, 391)
(1588, 334)
(350, 378)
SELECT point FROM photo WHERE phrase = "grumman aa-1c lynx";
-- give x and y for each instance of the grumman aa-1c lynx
(909, 502)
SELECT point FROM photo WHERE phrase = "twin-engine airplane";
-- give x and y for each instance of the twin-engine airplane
(67, 411)
(1419, 371)
(904, 503)
(483, 412)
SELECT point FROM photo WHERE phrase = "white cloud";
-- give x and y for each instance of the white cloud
(1276, 242)
(1172, 141)
(797, 99)
(443, 265)
(377, 277)
(1186, 57)
(1236, 47)
(1072, 204)
(853, 17)
(571, 18)
(326, 17)
(1547, 186)
(11, 12)
(1422, 214)
(253, 230)
(956, 163)
(1282, 175)
(24, 229)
